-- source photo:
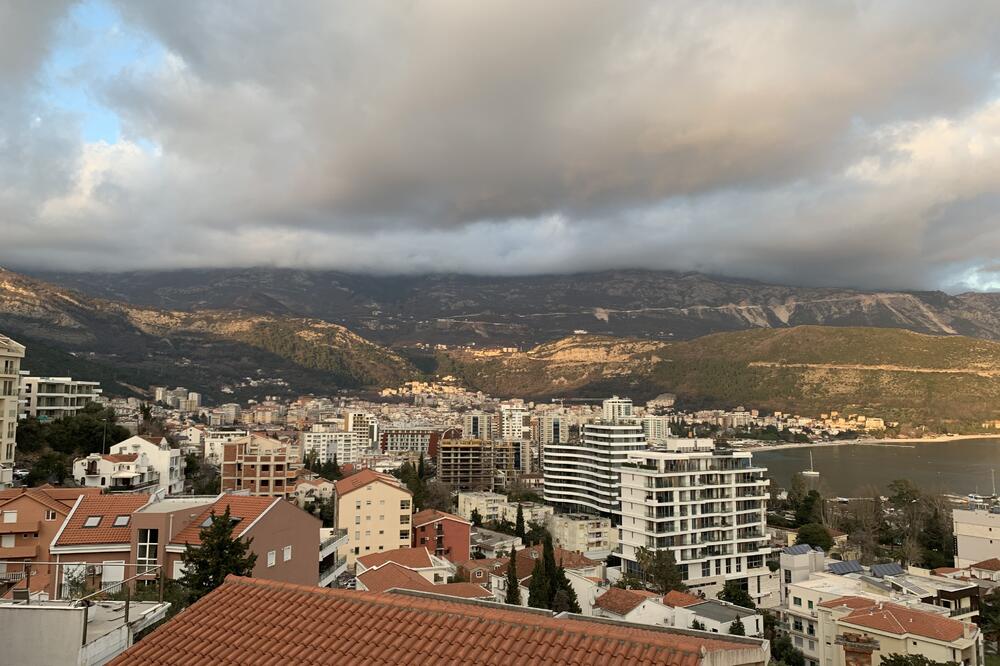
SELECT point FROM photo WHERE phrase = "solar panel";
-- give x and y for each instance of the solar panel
(798, 549)
(846, 567)
(887, 569)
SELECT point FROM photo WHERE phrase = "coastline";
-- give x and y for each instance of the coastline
(743, 446)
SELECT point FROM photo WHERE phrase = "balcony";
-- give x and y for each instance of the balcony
(329, 545)
(329, 573)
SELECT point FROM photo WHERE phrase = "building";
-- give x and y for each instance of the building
(584, 476)
(676, 609)
(444, 534)
(582, 572)
(480, 425)
(365, 427)
(117, 473)
(515, 422)
(491, 545)
(707, 506)
(430, 567)
(307, 492)
(977, 534)
(466, 464)
(48, 398)
(552, 429)
(375, 509)
(657, 428)
(163, 458)
(488, 505)
(328, 442)
(616, 409)
(215, 439)
(11, 354)
(586, 533)
(246, 618)
(409, 440)
(258, 465)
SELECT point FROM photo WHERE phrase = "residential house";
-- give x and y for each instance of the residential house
(117, 473)
(375, 510)
(307, 492)
(585, 533)
(166, 460)
(490, 544)
(584, 574)
(431, 567)
(448, 535)
(261, 466)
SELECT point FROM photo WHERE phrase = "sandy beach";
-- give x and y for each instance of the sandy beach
(901, 441)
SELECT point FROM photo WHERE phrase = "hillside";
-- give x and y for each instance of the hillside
(128, 346)
(529, 310)
(898, 374)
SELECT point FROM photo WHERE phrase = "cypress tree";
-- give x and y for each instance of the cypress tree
(538, 590)
(737, 628)
(513, 585)
(519, 523)
(206, 566)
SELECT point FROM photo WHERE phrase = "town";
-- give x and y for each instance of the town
(120, 513)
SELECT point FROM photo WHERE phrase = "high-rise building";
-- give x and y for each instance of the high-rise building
(657, 428)
(50, 398)
(11, 354)
(466, 464)
(364, 425)
(479, 425)
(515, 422)
(708, 507)
(616, 409)
(327, 440)
(584, 476)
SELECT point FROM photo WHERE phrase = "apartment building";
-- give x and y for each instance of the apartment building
(376, 512)
(489, 505)
(117, 473)
(584, 476)
(215, 439)
(552, 429)
(307, 492)
(164, 459)
(445, 535)
(423, 441)
(365, 426)
(49, 398)
(595, 536)
(657, 428)
(480, 425)
(466, 464)
(707, 506)
(616, 409)
(11, 354)
(328, 442)
(261, 466)
(515, 422)
(977, 534)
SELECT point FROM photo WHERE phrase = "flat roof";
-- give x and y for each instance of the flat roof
(171, 504)
(720, 612)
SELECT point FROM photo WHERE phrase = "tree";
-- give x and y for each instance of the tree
(328, 511)
(734, 593)
(895, 659)
(219, 554)
(810, 510)
(51, 467)
(437, 495)
(538, 588)
(783, 652)
(660, 571)
(519, 523)
(513, 595)
(564, 600)
(698, 625)
(814, 534)
(477, 518)
(737, 628)
(989, 618)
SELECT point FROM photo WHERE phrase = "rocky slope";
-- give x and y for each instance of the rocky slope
(529, 310)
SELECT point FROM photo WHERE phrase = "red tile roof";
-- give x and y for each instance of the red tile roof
(622, 602)
(120, 457)
(108, 507)
(412, 558)
(850, 601)
(45, 493)
(992, 564)
(247, 509)
(568, 559)
(462, 590)
(899, 620)
(675, 599)
(433, 515)
(363, 478)
(248, 621)
(392, 575)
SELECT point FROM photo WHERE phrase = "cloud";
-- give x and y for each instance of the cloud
(812, 143)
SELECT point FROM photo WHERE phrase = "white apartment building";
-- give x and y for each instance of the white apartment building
(49, 398)
(617, 409)
(594, 536)
(327, 441)
(479, 425)
(11, 354)
(977, 534)
(364, 425)
(553, 429)
(215, 441)
(584, 476)
(116, 473)
(657, 428)
(489, 505)
(167, 461)
(706, 506)
(515, 422)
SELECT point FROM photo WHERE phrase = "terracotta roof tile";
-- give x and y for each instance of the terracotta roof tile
(992, 564)
(622, 602)
(674, 598)
(433, 515)
(899, 620)
(392, 575)
(462, 590)
(248, 621)
(363, 478)
(107, 507)
(412, 558)
(65, 496)
(246, 509)
(849, 601)
(121, 457)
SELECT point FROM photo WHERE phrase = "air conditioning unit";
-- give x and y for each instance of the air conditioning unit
(94, 569)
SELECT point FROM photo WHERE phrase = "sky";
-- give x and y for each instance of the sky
(849, 144)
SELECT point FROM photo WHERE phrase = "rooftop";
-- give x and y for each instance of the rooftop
(171, 504)
(412, 558)
(95, 520)
(363, 478)
(899, 620)
(720, 612)
(433, 515)
(622, 602)
(243, 509)
(255, 621)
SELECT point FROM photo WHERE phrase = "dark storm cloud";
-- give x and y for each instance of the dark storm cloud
(821, 143)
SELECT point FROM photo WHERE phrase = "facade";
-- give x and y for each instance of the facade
(488, 505)
(707, 507)
(375, 510)
(409, 440)
(553, 429)
(515, 422)
(657, 428)
(167, 461)
(583, 533)
(215, 439)
(260, 466)
(328, 442)
(49, 398)
(585, 476)
(466, 464)
(616, 409)
(307, 492)
(479, 425)
(117, 473)
(364, 426)
(11, 354)
(977, 534)
(443, 534)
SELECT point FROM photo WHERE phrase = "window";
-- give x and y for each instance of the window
(368, 502)
(404, 535)
(272, 556)
(10, 516)
(121, 521)
(286, 554)
(147, 548)
(788, 575)
(479, 573)
(404, 519)
(92, 521)
(357, 520)
(7, 541)
(50, 515)
(404, 504)
(810, 605)
(706, 569)
(797, 601)
(357, 505)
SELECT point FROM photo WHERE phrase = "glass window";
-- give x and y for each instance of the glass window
(121, 521)
(50, 514)
(287, 554)
(147, 549)
(92, 521)
(404, 535)
(797, 601)
(272, 557)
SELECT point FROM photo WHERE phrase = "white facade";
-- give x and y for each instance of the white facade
(215, 441)
(325, 443)
(616, 409)
(49, 398)
(116, 472)
(584, 476)
(657, 428)
(490, 506)
(479, 425)
(364, 425)
(11, 354)
(594, 536)
(167, 461)
(977, 535)
(515, 423)
(553, 429)
(708, 507)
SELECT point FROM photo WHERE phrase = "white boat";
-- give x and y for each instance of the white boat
(810, 472)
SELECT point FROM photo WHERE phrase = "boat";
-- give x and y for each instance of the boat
(810, 472)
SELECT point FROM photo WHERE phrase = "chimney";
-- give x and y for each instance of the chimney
(858, 649)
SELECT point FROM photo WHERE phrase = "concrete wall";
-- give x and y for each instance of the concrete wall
(40, 636)
(287, 525)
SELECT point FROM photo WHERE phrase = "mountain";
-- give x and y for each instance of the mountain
(897, 374)
(129, 347)
(525, 311)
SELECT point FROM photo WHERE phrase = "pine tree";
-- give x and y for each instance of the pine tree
(538, 589)
(519, 523)
(513, 585)
(737, 628)
(477, 518)
(565, 599)
(421, 471)
(335, 473)
(207, 565)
